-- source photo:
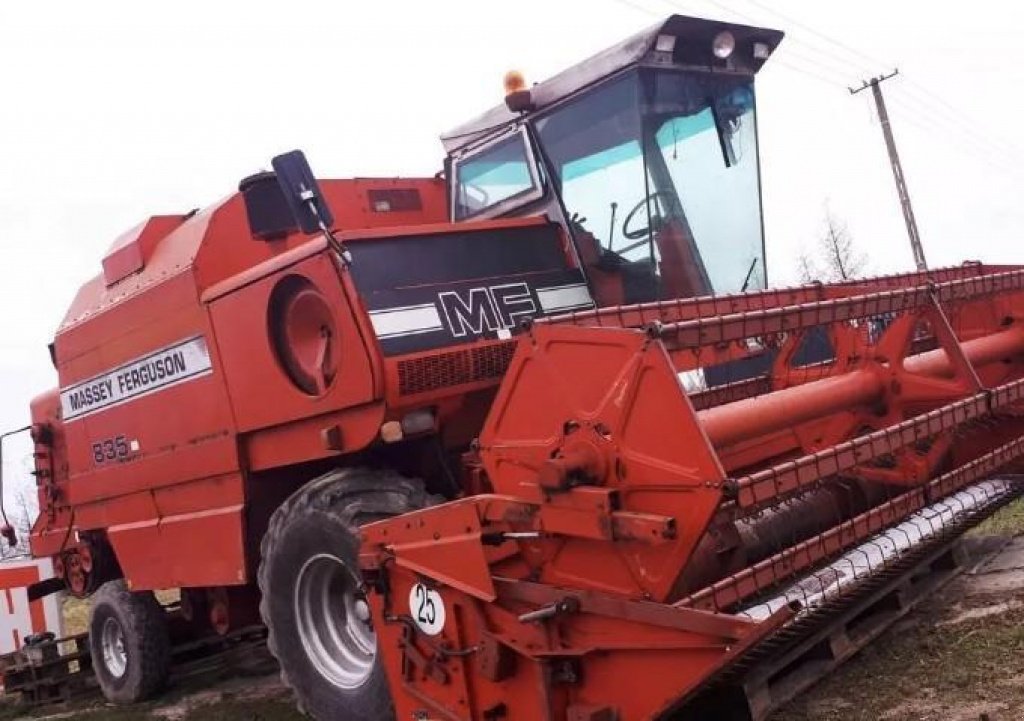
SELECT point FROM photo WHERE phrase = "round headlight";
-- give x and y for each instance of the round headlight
(723, 44)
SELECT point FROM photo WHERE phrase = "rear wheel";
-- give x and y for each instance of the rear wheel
(314, 603)
(128, 643)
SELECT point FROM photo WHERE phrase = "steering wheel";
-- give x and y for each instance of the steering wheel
(643, 232)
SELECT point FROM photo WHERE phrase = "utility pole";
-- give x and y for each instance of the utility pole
(897, 169)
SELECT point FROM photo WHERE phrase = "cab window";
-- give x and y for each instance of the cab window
(497, 178)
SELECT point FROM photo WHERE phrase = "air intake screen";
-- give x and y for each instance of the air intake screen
(432, 372)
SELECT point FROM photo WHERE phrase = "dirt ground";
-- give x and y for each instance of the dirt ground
(248, 699)
(957, 657)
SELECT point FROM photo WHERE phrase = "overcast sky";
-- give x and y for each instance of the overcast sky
(112, 111)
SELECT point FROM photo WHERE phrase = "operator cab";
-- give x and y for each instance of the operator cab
(647, 153)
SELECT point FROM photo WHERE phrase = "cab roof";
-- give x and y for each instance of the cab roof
(692, 49)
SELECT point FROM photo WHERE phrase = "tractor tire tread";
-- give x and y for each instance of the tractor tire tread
(145, 620)
(354, 496)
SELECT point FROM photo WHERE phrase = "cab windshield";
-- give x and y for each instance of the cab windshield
(658, 170)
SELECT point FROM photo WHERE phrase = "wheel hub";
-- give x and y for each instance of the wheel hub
(333, 621)
(112, 643)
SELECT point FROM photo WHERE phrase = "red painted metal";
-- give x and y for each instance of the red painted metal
(602, 528)
(617, 499)
(608, 523)
(183, 480)
(807, 553)
(130, 253)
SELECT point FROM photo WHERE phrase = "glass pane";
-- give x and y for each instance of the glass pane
(711, 158)
(494, 175)
(659, 171)
(595, 147)
(594, 144)
(602, 188)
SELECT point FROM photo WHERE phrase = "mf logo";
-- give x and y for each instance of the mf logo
(486, 309)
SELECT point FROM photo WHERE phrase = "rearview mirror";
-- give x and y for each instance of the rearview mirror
(302, 192)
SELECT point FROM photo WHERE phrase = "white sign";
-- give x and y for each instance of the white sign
(161, 369)
(427, 609)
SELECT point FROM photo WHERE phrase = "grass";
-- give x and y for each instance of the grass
(191, 699)
(76, 615)
(264, 710)
(248, 711)
(922, 670)
(1007, 521)
(205, 697)
(917, 672)
(76, 611)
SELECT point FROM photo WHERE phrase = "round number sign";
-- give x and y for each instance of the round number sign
(427, 609)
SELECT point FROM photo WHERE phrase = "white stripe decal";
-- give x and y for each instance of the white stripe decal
(407, 320)
(566, 285)
(564, 297)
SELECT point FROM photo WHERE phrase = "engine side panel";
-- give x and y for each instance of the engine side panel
(151, 441)
(254, 337)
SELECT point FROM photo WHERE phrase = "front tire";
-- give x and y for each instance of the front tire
(313, 601)
(128, 643)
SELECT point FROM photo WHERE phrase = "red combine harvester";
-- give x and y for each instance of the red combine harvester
(528, 440)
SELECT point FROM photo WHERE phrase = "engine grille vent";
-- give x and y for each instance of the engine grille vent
(430, 373)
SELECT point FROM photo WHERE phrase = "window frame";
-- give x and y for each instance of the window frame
(516, 200)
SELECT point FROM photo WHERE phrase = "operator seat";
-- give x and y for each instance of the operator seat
(681, 268)
(602, 268)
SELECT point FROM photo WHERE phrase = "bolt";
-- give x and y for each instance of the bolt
(362, 609)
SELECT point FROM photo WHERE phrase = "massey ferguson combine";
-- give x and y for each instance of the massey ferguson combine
(527, 440)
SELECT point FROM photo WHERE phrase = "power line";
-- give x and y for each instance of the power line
(678, 7)
(932, 107)
(950, 123)
(969, 146)
(639, 8)
(675, 6)
(963, 125)
(921, 93)
(809, 73)
(916, 111)
(817, 33)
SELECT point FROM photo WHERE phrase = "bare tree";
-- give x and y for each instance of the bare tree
(21, 508)
(808, 270)
(836, 257)
(19, 514)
